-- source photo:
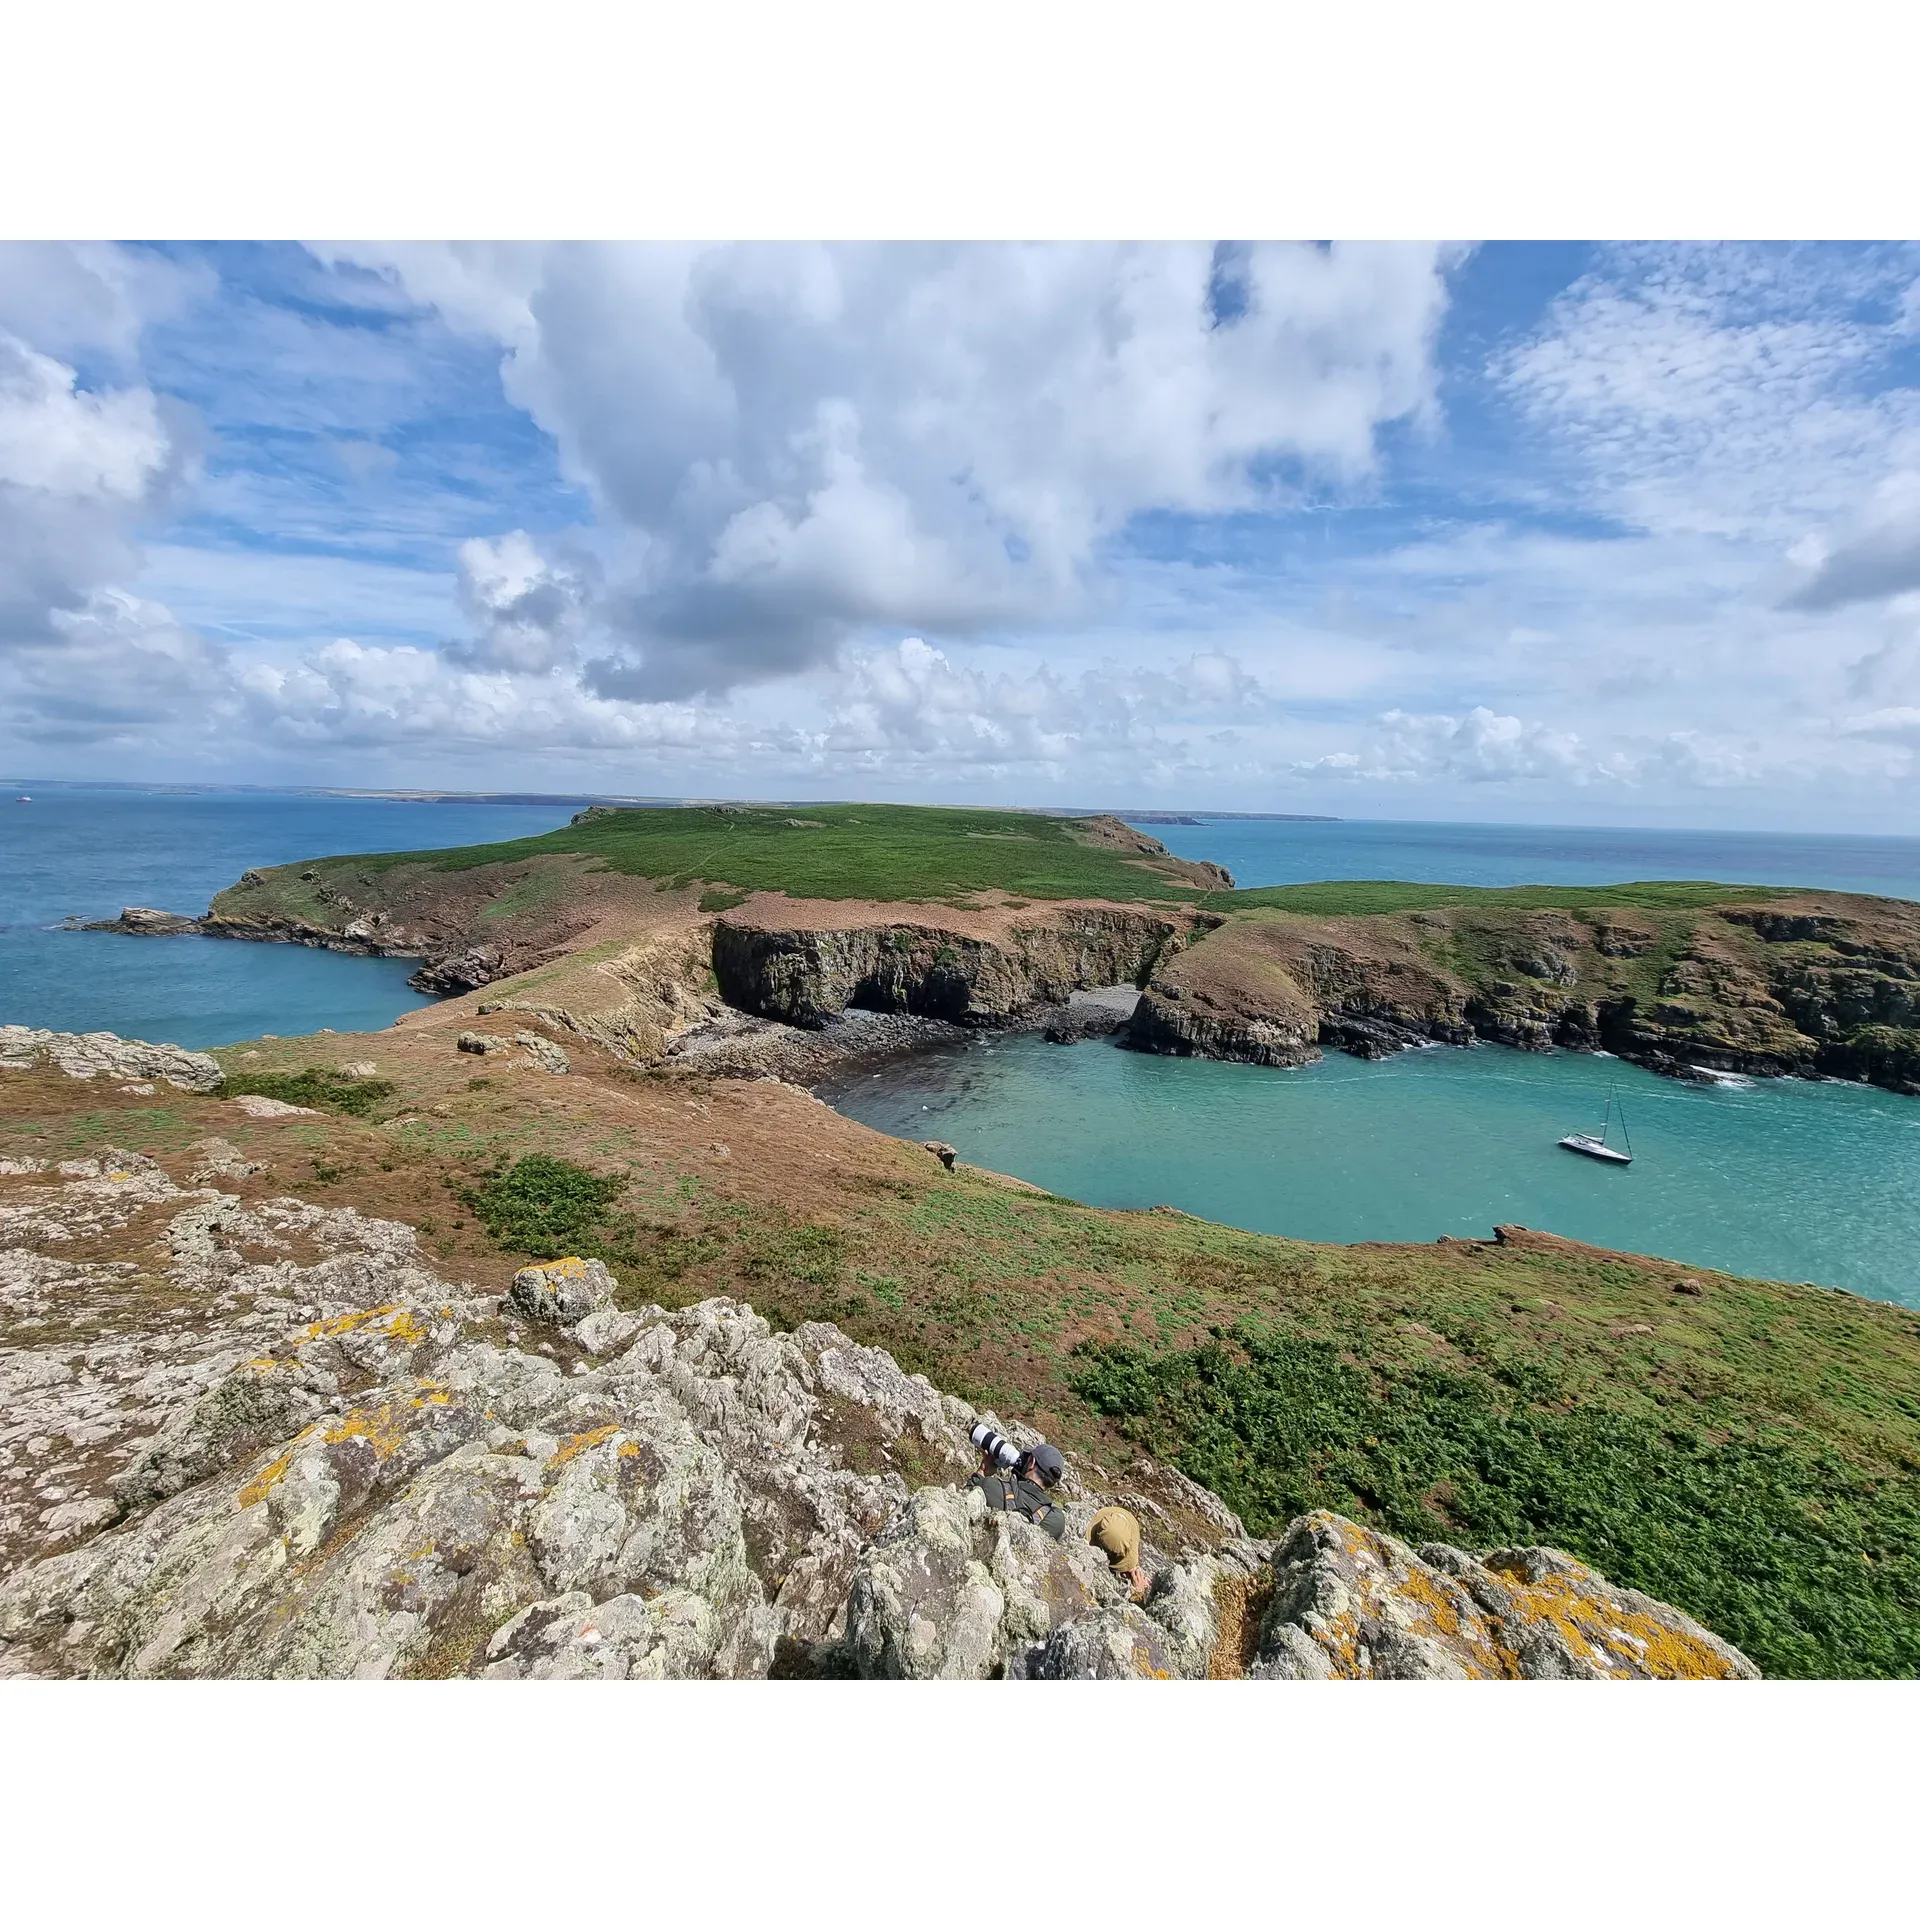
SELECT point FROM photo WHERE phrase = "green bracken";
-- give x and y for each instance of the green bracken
(1806, 1558)
(313, 1087)
(545, 1207)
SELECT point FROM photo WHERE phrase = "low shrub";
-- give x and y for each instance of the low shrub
(1806, 1559)
(324, 1087)
(545, 1207)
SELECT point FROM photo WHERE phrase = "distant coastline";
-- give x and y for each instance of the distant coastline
(450, 796)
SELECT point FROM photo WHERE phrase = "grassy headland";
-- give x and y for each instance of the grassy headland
(817, 853)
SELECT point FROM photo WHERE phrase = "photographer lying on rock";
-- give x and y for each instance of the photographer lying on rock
(1036, 1474)
(1035, 1477)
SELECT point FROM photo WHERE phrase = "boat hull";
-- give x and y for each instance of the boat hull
(1594, 1150)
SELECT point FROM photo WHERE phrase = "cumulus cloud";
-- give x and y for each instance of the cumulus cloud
(911, 701)
(79, 470)
(1475, 747)
(529, 610)
(803, 442)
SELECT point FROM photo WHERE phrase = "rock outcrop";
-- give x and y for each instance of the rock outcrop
(90, 1056)
(274, 1443)
(147, 921)
(1352, 1604)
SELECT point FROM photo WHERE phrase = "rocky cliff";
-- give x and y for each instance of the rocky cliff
(1823, 983)
(777, 960)
(265, 1438)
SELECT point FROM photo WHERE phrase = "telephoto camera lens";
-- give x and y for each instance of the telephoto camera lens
(1000, 1451)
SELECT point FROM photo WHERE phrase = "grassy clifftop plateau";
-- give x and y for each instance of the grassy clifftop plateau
(1671, 973)
(814, 853)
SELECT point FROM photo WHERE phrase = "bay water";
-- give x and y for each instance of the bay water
(1784, 1179)
(1788, 1179)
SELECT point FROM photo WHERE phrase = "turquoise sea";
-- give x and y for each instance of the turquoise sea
(92, 851)
(1785, 1178)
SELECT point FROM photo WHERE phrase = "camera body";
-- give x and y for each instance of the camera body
(995, 1448)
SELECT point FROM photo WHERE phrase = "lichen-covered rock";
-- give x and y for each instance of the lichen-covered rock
(124, 1380)
(261, 1106)
(243, 1465)
(482, 1043)
(1115, 1643)
(559, 1292)
(545, 1054)
(1352, 1604)
(88, 1056)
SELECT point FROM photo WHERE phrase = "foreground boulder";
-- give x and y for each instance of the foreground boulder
(243, 1465)
(1352, 1604)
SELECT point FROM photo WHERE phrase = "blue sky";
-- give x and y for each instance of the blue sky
(1542, 531)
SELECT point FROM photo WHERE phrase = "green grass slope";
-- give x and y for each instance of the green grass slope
(822, 853)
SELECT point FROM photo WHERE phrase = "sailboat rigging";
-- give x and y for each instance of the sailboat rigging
(1595, 1146)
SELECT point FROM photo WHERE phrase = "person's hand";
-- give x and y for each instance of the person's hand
(1141, 1583)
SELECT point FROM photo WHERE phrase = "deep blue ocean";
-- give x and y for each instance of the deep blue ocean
(1791, 1179)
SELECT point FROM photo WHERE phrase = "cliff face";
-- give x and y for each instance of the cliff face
(783, 969)
(304, 1453)
(1821, 983)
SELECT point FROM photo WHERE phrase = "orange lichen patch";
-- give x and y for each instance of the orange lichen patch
(401, 1325)
(628, 1450)
(431, 1394)
(1619, 1640)
(264, 1482)
(1471, 1642)
(380, 1427)
(1144, 1667)
(578, 1443)
(568, 1267)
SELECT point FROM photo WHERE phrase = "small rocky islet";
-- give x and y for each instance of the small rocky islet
(272, 1436)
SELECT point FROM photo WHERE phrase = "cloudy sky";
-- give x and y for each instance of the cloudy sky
(1517, 531)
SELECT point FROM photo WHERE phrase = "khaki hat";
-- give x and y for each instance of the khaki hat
(1117, 1534)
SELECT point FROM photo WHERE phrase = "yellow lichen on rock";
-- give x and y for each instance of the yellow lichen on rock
(1353, 1604)
(577, 1443)
(1624, 1641)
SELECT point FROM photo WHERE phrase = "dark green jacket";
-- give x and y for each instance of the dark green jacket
(1022, 1496)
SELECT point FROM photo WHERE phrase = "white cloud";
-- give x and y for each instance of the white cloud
(1878, 561)
(528, 610)
(78, 470)
(1477, 746)
(800, 443)
(1725, 390)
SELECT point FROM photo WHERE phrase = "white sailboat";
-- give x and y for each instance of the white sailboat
(1595, 1147)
